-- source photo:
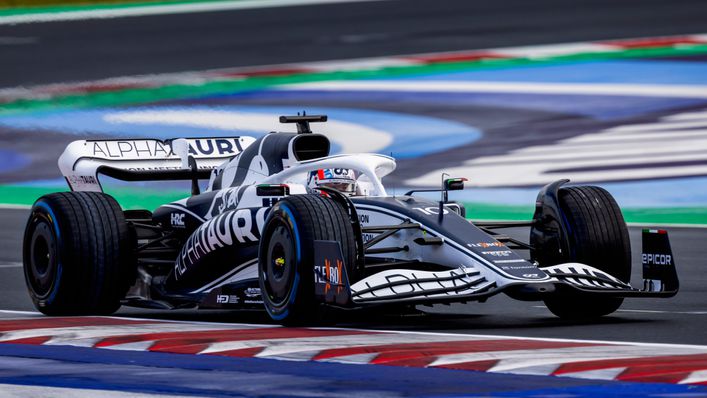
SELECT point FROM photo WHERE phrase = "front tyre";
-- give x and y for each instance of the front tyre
(78, 254)
(598, 237)
(286, 254)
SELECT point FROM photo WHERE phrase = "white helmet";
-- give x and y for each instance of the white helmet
(343, 180)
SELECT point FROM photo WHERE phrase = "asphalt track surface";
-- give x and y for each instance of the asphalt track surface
(85, 50)
(679, 320)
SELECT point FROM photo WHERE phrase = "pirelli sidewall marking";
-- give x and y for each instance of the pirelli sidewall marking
(233, 227)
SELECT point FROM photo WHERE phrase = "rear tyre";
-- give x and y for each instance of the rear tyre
(78, 254)
(286, 257)
(598, 237)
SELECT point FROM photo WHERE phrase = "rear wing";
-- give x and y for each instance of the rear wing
(145, 159)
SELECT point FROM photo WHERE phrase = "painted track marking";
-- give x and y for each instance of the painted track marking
(18, 390)
(497, 354)
(626, 152)
(640, 90)
(371, 64)
(160, 9)
(638, 311)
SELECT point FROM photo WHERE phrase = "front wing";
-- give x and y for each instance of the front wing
(468, 283)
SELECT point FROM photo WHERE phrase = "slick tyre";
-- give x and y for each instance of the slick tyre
(286, 257)
(78, 254)
(598, 237)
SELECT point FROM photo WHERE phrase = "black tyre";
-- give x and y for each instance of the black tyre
(78, 254)
(598, 237)
(286, 258)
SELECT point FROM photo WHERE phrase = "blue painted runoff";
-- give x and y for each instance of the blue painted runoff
(87, 368)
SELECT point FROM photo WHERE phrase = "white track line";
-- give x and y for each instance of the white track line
(405, 332)
(666, 312)
(651, 311)
(634, 90)
(665, 225)
(160, 9)
(13, 312)
(21, 391)
(513, 359)
(10, 265)
(88, 336)
(489, 336)
(15, 207)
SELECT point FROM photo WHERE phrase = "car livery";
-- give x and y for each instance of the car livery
(261, 237)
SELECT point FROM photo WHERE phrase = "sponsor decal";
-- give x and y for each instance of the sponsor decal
(656, 259)
(227, 299)
(225, 199)
(431, 210)
(329, 274)
(364, 218)
(163, 168)
(87, 180)
(520, 267)
(237, 226)
(219, 146)
(79, 182)
(270, 202)
(330, 280)
(486, 244)
(153, 168)
(177, 220)
(515, 260)
(131, 149)
(325, 174)
(150, 149)
(367, 237)
(252, 292)
(497, 253)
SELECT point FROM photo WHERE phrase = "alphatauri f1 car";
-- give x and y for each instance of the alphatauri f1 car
(262, 236)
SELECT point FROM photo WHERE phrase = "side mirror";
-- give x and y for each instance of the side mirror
(454, 184)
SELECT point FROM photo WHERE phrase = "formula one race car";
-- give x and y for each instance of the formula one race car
(286, 227)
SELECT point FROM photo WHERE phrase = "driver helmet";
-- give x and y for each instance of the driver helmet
(343, 180)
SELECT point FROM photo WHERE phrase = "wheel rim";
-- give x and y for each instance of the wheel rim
(41, 270)
(280, 265)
